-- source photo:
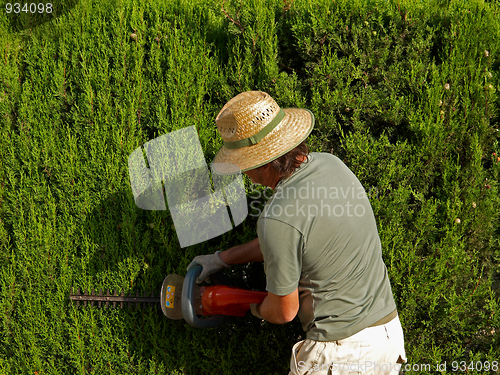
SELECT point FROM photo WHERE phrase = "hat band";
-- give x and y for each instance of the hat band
(257, 137)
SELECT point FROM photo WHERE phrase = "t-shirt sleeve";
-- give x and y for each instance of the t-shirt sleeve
(281, 245)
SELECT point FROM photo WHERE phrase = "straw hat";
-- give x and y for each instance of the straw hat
(255, 131)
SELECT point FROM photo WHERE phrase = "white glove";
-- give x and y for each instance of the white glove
(255, 311)
(211, 264)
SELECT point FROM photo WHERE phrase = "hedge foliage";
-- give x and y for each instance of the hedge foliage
(406, 93)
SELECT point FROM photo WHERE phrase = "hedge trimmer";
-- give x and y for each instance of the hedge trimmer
(181, 298)
(107, 299)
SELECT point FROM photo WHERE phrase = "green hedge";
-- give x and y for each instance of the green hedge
(404, 92)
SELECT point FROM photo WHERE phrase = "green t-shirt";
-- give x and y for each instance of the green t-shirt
(318, 233)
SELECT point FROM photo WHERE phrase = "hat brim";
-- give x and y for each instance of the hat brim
(289, 133)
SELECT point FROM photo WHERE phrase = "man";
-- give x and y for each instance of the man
(318, 240)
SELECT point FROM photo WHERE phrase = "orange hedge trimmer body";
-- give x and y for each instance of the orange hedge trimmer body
(182, 298)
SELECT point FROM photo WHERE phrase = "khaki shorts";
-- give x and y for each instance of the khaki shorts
(374, 350)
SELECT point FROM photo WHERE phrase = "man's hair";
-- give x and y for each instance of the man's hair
(286, 164)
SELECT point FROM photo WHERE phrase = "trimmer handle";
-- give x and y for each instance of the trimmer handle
(188, 298)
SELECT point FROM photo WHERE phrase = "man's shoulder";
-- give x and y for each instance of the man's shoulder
(329, 165)
(325, 158)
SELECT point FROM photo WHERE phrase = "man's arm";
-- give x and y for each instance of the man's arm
(245, 253)
(279, 309)
(275, 309)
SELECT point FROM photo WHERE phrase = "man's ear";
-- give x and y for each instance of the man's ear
(265, 167)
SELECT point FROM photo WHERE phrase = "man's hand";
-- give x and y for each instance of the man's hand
(254, 309)
(211, 264)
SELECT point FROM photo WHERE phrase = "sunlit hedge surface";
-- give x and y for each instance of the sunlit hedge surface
(405, 92)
